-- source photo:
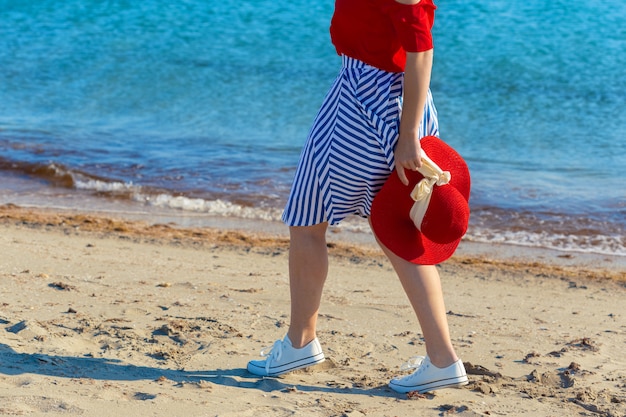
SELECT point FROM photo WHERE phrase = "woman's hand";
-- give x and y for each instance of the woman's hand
(408, 155)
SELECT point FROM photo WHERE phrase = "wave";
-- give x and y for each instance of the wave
(214, 207)
(558, 231)
(597, 243)
(58, 175)
(571, 232)
(479, 231)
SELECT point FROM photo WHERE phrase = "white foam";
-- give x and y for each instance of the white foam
(164, 200)
(605, 245)
(104, 186)
(212, 207)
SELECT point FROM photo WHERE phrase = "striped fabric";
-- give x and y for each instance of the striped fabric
(349, 151)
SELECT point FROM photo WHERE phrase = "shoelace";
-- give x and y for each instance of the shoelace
(413, 363)
(274, 353)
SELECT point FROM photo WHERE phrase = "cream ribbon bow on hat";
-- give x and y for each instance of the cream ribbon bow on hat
(422, 192)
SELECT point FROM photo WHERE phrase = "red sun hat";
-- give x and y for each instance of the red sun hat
(425, 221)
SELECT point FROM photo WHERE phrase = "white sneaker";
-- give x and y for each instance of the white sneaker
(283, 358)
(428, 377)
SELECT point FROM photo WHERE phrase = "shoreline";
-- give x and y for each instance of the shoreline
(510, 233)
(230, 231)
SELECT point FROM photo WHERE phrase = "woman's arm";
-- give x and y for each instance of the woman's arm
(416, 83)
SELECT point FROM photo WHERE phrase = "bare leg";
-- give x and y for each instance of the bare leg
(423, 288)
(308, 268)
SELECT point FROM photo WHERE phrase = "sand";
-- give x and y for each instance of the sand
(110, 317)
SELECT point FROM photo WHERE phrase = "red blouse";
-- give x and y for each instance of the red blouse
(381, 32)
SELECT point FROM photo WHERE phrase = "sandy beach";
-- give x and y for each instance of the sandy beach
(111, 317)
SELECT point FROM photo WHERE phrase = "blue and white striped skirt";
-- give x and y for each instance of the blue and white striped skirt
(349, 152)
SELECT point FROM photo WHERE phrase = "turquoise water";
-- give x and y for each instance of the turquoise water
(204, 106)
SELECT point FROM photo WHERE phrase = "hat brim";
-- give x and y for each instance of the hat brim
(391, 207)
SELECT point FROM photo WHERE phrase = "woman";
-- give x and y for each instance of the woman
(370, 123)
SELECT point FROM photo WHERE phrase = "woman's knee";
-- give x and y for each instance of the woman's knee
(315, 232)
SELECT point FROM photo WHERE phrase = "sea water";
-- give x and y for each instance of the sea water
(201, 106)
